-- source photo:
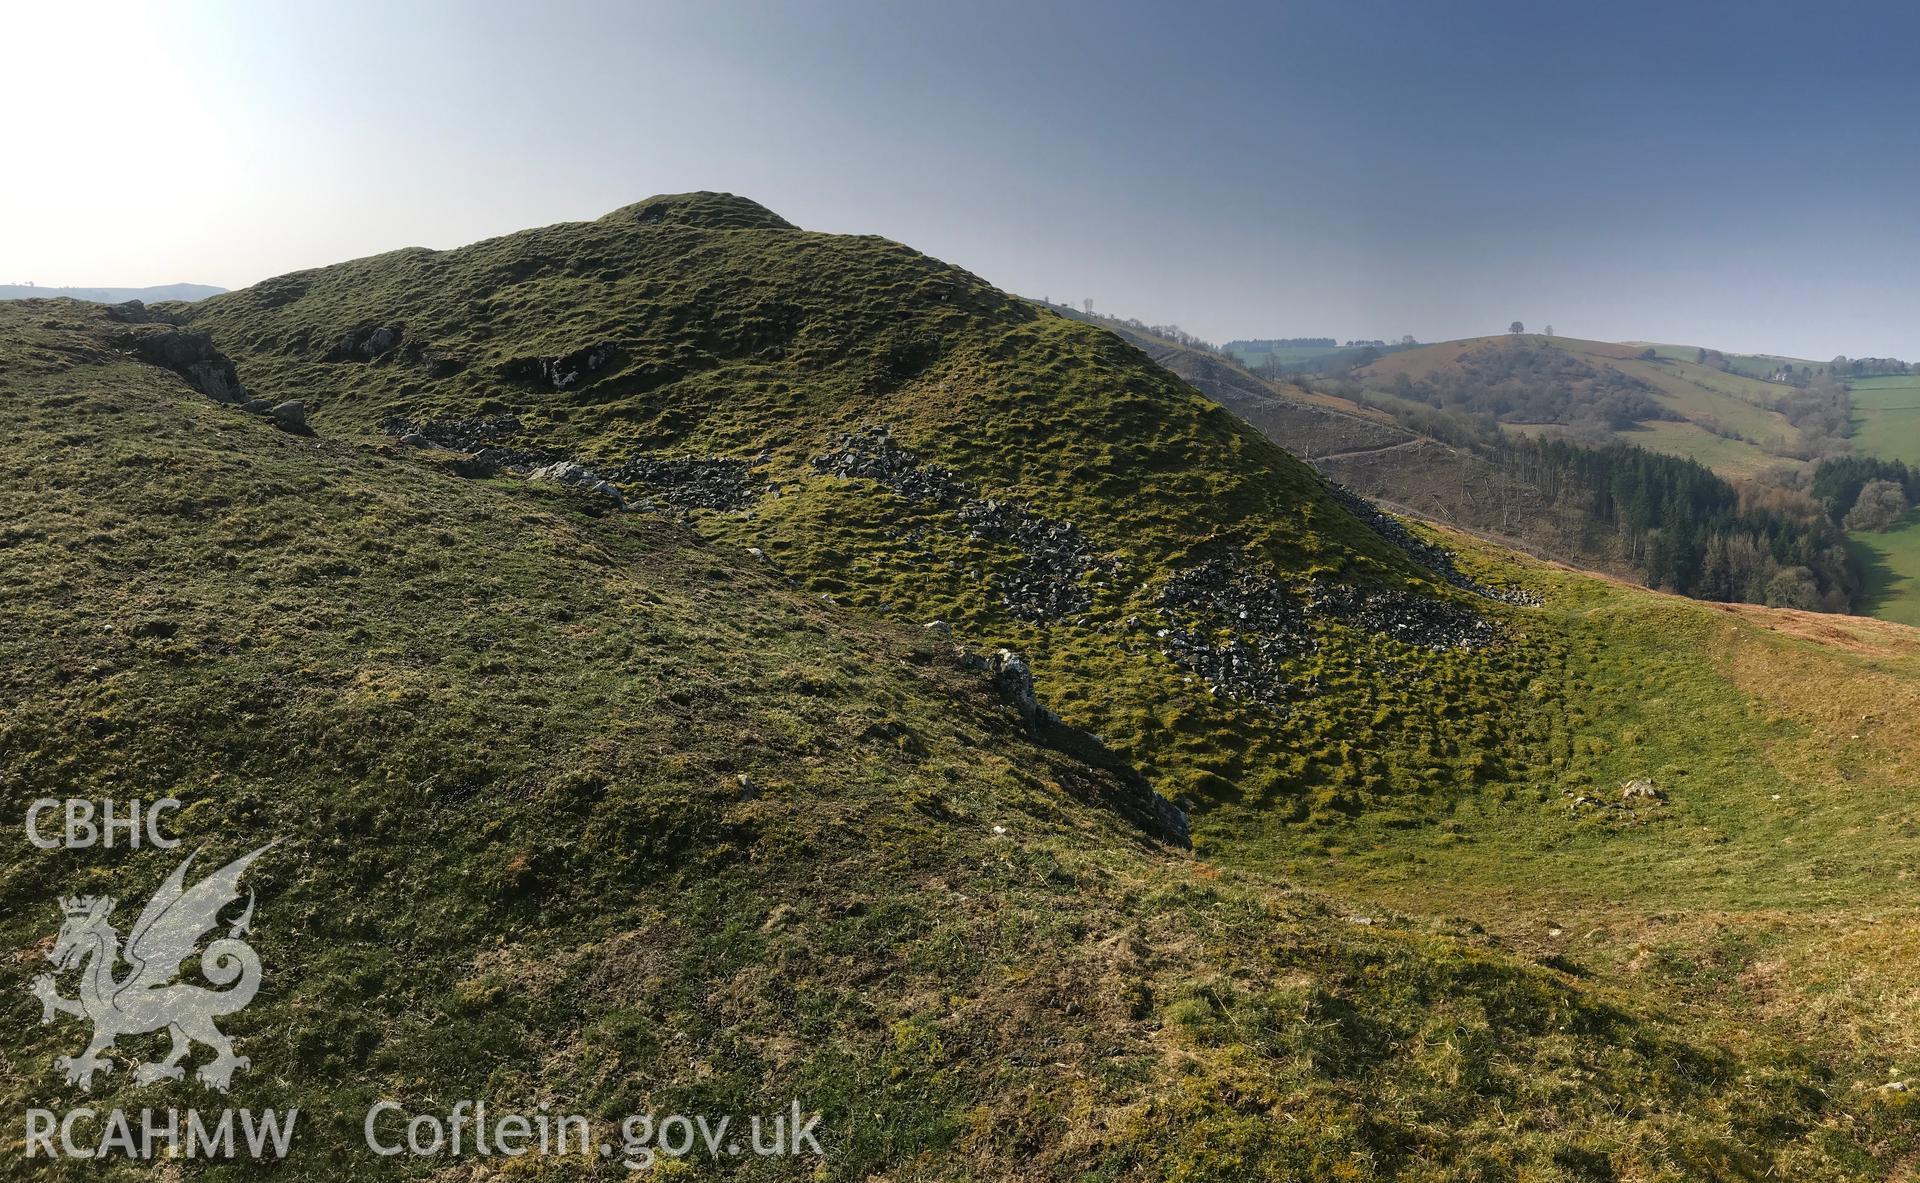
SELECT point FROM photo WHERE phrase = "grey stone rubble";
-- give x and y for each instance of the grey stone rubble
(1265, 626)
(692, 482)
(1056, 558)
(1049, 583)
(876, 456)
(486, 437)
(1405, 616)
(679, 483)
(1241, 630)
(1436, 559)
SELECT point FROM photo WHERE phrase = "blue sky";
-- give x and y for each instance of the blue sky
(1739, 175)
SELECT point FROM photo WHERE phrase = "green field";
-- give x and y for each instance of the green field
(1674, 437)
(1886, 423)
(1891, 562)
(1753, 365)
(1726, 421)
(1886, 416)
(1290, 355)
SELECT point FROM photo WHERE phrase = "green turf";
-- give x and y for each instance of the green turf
(1891, 563)
(1886, 416)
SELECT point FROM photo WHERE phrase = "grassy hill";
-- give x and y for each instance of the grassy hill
(652, 829)
(502, 708)
(1151, 516)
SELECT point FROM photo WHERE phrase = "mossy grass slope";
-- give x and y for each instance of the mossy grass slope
(501, 733)
(516, 719)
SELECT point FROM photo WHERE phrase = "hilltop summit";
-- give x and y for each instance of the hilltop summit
(705, 209)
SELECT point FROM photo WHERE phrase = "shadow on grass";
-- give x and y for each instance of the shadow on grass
(1884, 585)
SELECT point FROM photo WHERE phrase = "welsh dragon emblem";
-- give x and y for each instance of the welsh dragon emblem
(146, 997)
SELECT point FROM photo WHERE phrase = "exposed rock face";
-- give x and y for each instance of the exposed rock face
(1013, 678)
(291, 416)
(562, 372)
(366, 344)
(190, 355)
(566, 472)
(1013, 681)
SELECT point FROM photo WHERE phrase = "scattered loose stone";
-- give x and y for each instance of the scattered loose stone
(1406, 616)
(1056, 557)
(876, 456)
(494, 436)
(1436, 559)
(691, 482)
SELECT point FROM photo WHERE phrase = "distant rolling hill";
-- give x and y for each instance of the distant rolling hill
(1539, 385)
(185, 292)
(1364, 448)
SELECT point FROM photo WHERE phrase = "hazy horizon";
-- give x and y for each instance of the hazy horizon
(1722, 177)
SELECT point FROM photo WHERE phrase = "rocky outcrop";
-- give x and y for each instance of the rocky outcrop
(562, 372)
(566, 472)
(190, 355)
(366, 344)
(1013, 679)
(291, 416)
